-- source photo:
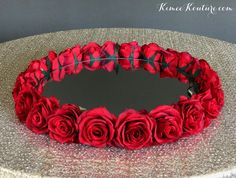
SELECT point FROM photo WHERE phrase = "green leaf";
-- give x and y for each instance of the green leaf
(151, 59)
(117, 68)
(197, 73)
(92, 59)
(131, 59)
(76, 61)
(46, 75)
(117, 47)
(48, 63)
(163, 63)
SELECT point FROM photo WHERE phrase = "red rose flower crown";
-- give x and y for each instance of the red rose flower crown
(131, 129)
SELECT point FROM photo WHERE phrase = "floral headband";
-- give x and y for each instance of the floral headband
(132, 129)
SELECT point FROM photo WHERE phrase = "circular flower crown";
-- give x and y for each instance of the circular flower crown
(132, 129)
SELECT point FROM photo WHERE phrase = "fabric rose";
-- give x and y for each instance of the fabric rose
(71, 60)
(110, 55)
(57, 70)
(218, 94)
(129, 54)
(133, 130)
(24, 102)
(91, 56)
(37, 119)
(193, 115)
(32, 77)
(168, 63)
(62, 125)
(187, 67)
(19, 85)
(208, 78)
(168, 124)
(36, 65)
(96, 127)
(209, 104)
(151, 54)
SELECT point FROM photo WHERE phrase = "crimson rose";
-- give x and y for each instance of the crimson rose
(133, 130)
(208, 78)
(57, 71)
(187, 67)
(131, 51)
(91, 56)
(24, 102)
(168, 63)
(62, 125)
(96, 127)
(109, 50)
(37, 119)
(218, 94)
(71, 60)
(152, 54)
(193, 115)
(168, 124)
(209, 104)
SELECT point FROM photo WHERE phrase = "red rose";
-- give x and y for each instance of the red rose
(133, 130)
(110, 55)
(152, 54)
(218, 95)
(37, 117)
(57, 69)
(24, 102)
(71, 60)
(129, 55)
(168, 124)
(62, 125)
(187, 67)
(204, 65)
(19, 85)
(31, 78)
(96, 127)
(37, 65)
(92, 56)
(168, 63)
(193, 115)
(209, 104)
(208, 78)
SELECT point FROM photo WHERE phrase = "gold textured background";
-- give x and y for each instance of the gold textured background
(24, 154)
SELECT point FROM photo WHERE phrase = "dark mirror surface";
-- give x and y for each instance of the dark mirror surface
(129, 89)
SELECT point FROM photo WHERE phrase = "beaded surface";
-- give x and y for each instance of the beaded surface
(24, 153)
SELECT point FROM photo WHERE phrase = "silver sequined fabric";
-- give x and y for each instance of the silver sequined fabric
(24, 154)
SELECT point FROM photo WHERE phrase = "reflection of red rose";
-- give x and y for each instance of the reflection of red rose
(168, 124)
(24, 102)
(96, 127)
(62, 125)
(38, 116)
(152, 54)
(131, 51)
(193, 115)
(133, 130)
